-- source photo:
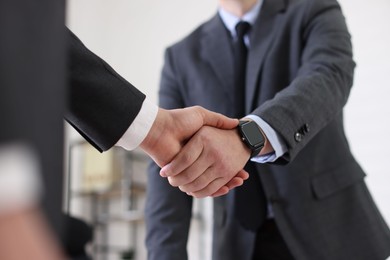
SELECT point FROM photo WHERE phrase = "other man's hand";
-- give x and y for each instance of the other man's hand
(208, 162)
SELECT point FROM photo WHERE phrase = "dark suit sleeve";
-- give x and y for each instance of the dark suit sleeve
(102, 105)
(321, 88)
(168, 210)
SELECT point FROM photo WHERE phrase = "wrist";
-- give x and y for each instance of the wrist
(267, 146)
(155, 132)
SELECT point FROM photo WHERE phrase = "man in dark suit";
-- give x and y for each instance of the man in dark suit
(32, 97)
(306, 197)
(103, 107)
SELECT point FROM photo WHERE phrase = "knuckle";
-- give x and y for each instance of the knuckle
(198, 184)
(202, 132)
(215, 156)
(199, 110)
(187, 158)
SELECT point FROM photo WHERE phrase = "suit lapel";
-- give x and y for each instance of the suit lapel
(260, 41)
(216, 49)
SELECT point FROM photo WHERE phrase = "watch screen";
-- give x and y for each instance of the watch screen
(253, 134)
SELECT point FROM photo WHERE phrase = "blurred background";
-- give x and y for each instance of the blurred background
(108, 190)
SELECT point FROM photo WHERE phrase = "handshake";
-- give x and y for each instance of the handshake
(199, 151)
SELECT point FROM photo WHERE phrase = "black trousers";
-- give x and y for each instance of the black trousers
(270, 244)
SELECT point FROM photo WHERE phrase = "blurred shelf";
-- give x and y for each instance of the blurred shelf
(114, 192)
(120, 203)
(130, 216)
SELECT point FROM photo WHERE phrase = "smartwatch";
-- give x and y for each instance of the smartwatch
(252, 136)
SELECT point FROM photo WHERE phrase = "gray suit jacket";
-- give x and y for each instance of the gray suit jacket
(299, 75)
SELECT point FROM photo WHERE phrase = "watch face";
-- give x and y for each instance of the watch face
(253, 134)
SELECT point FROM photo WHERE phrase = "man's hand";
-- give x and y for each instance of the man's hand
(207, 162)
(173, 128)
(24, 234)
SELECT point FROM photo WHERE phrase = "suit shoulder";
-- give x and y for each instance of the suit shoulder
(309, 9)
(311, 3)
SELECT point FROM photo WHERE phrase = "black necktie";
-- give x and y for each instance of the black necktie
(250, 204)
(240, 56)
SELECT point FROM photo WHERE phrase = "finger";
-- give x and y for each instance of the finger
(193, 190)
(192, 178)
(184, 159)
(217, 120)
(208, 176)
(222, 191)
(235, 182)
(210, 189)
(243, 174)
(204, 173)
(205, 177)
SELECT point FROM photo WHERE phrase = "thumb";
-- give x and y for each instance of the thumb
(217, 120)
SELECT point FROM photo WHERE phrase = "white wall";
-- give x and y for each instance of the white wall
(131, 36)
(367, 118)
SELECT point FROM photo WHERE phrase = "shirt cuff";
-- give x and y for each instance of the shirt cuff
(273, 137)
(20, 182)
(140, 127)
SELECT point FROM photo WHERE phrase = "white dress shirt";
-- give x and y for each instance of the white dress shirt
(140, 127)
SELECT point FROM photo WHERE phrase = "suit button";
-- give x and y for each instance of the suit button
(306, 128)
(298, 137)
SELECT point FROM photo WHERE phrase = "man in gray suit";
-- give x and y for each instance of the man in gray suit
(306, 197)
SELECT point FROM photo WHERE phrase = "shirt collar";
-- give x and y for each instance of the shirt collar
(231, 20)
